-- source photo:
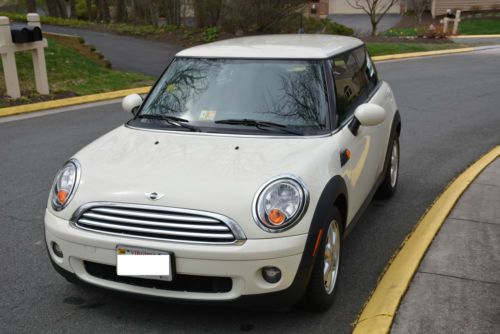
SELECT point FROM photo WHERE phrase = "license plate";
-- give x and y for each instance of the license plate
(145, 263)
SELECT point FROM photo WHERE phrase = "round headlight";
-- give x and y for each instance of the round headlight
(280, 203)
(65, 185)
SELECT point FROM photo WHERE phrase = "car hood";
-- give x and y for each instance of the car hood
(215, 173)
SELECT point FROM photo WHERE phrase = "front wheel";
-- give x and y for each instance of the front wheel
(320, 292)
(388, 186)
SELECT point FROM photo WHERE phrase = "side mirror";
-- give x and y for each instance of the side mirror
(370, 114)
(367, 114)
(131, 102)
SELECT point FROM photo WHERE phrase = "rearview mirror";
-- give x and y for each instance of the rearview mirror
(370, 114)
(131, 103)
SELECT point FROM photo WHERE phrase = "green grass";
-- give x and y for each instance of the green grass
(381, 49)
(70, 73)
(480, 27)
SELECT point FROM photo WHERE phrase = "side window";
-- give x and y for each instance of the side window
(352, 80)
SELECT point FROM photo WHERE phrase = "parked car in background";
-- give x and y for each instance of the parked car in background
(236, 178)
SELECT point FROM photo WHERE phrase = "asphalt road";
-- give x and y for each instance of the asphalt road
(451, 116)
(124, 52)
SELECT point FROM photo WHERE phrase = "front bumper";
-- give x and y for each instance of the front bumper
(241, 263)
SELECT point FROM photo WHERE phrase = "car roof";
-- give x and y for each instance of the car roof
(297, 46)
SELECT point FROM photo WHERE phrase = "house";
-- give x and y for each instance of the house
(439, 7)
(323, 8)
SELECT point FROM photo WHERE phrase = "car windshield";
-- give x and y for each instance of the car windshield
(234, 95)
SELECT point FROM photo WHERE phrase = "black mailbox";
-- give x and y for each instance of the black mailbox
(25, 34)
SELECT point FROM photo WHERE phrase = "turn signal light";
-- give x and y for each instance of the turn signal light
(62, 196)
(276, 216)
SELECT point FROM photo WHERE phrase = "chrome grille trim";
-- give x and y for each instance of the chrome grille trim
(157, 223)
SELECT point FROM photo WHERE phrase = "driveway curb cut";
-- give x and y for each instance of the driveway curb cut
(379, 311)
(39, 106)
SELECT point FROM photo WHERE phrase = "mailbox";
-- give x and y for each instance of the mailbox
(25, 34)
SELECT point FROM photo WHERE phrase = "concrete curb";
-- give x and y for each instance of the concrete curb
(379, 311)
(25, 108)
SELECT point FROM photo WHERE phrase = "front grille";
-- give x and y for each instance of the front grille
(189, 283)
(155, 222)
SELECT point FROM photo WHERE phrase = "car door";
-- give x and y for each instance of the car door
(356, 83)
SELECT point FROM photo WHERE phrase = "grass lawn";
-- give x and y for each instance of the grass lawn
(381, 49)
(70, 73)
(480, 26)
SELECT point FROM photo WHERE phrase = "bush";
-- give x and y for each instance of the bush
(210, 34)
(313, 25)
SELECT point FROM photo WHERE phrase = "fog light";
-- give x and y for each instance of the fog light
(271, 274)
(57, 250)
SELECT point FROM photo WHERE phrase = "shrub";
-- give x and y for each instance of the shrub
(210, 34)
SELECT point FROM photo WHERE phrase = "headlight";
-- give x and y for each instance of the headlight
(65, 184)
(280, 203)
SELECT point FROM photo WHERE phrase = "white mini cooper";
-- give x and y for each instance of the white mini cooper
(236, 178)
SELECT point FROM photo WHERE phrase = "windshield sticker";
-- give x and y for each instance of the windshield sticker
(207, 115)
(296, 69)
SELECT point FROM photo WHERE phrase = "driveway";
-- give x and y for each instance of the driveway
(361, 22)
(125, 53)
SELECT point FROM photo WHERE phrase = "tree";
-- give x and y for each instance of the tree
(207, 12)
(375, 9)
(263, 16)
(419, 7)
(31, 6)
(121, 11)
(173, 11)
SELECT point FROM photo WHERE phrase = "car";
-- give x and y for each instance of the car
(236, 179)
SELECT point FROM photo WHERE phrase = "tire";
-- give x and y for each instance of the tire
(320, 294)
(388, 186)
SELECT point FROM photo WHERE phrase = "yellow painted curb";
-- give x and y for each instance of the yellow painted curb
(476, 36)
(380, 310)
(422, 54)
(71, 101)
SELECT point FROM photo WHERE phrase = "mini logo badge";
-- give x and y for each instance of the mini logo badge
(154, 196)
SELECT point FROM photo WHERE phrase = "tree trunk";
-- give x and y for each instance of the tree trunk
(102, 11)
(61, 4)
(173, 11)
(72, 8)
(374, 27)
(88, 5)
(121, 11)
(31, 6)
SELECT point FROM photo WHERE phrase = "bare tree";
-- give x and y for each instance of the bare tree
(419, 7)
(208, 12)
(31, 6)
(375, 9)
(121, 11)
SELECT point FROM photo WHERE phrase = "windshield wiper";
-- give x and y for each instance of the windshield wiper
(258, 124)
(177, 121)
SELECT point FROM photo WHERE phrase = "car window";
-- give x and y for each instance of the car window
(352, 84)
(291, 93)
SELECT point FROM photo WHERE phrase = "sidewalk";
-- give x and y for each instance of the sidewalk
(457, 286)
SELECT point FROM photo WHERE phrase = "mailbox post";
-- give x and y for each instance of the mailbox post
(26, 39)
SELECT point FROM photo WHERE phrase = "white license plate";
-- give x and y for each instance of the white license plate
(145, 263)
